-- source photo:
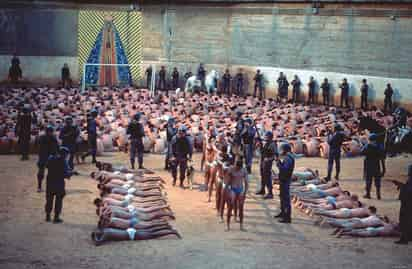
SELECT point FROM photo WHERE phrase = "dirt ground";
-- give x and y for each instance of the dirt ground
(27, 241)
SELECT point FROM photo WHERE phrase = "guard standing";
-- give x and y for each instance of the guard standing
(57, 170)
(283, 85)
(335, 141)
(170, 133)
(91, 136)
(388, 98)
(162, 78)
(69, 135)
(48, 146)
(374, 156)
(182, 150)
(258, 84)
(136, 133)
(226, 82)
(296, 89)
(311, 87)
(268, 153)
(175, 79)
(286, 168)
(149, 71)
(325, 92)
(66, 80)
(344, 94)
(23, 131)
(201, 74)
(239, 83)
(364, 94)
(248, 137)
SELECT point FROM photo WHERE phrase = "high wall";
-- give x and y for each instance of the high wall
(340, 41)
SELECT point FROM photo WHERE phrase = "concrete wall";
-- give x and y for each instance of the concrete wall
(377, 48)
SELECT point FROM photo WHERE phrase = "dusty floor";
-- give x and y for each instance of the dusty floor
(28, 242)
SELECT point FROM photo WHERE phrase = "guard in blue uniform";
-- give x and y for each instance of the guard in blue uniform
(325, 92)
(226, 82)
(171, 131)
(57, 170)
(248, 138)
(91, 136)
(311, 88)
(364, 94)
(344, 94)
(268, 152)
(175, 79)
(258, 84)
(373, 168)
(162, 79)
(136, 133)
(296, 89)
(285, 167)
(23, 131)
(239, 83)
(335, 141)
(201, 75)
(388, 98)
(182, 150)
(283, 85)
(69, 135)
(48, 146)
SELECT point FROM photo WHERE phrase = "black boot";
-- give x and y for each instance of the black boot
(57, 219)
(249, 170)
(174, 182)
(378, 194)
(48, 217)
(280, 215)
(94, 159)
(268, 196)
(367, 195)
(132, 164)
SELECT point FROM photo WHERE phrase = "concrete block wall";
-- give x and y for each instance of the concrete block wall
(375, 48)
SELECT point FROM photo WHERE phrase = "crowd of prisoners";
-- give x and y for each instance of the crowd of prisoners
(132, 205)
(305, 127)
(334, 207)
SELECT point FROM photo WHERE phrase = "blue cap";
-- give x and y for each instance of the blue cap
(137, 116)
(269, 134)
(373, 137)
(182, 128)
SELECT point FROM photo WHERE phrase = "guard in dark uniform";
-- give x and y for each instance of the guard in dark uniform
(175, 79)
(364, 94)
(23, 131)
(374, 156)
(149, 71)
(388, 98)
(15, 72)
(283, 85)
(311, 87)
(226, 82)
(325, 92)
(162, 78)
(66, 80)
(335, 141)
(285, 167)
(57, 170)
(136, 133)
(182, 150)
(171, 131)
(268, 153)
(69, 135)
(248, 139)
(48, 146)
(258, 84)
(296, 89)
(239, 83)
(201, 75)
(91, 136)
(188, 75)
(237, 145)
(405, 212)
(344, 94)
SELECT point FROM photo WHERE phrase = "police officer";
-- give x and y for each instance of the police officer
(91, 136)
(239, 83)
(66, 80)
(175, 79)
(364, 94)
(136, 133)
(201, 74)
(149, 71)
(344, 94)
(325, 91)
(311, 87)
(248, 138)
(258, 84)
(48, 146)
(69, 135)
(268, 153)
(405, 212)
(401, 117)
(296, 89)
(57, 170)
(285, 167)
(23, 131)
(388, 98)
(237, 137)
(162, 78)
(182, 150)
(226, 82)
(335, 141)
(170, 133)
(373, 168)
(283, 85)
